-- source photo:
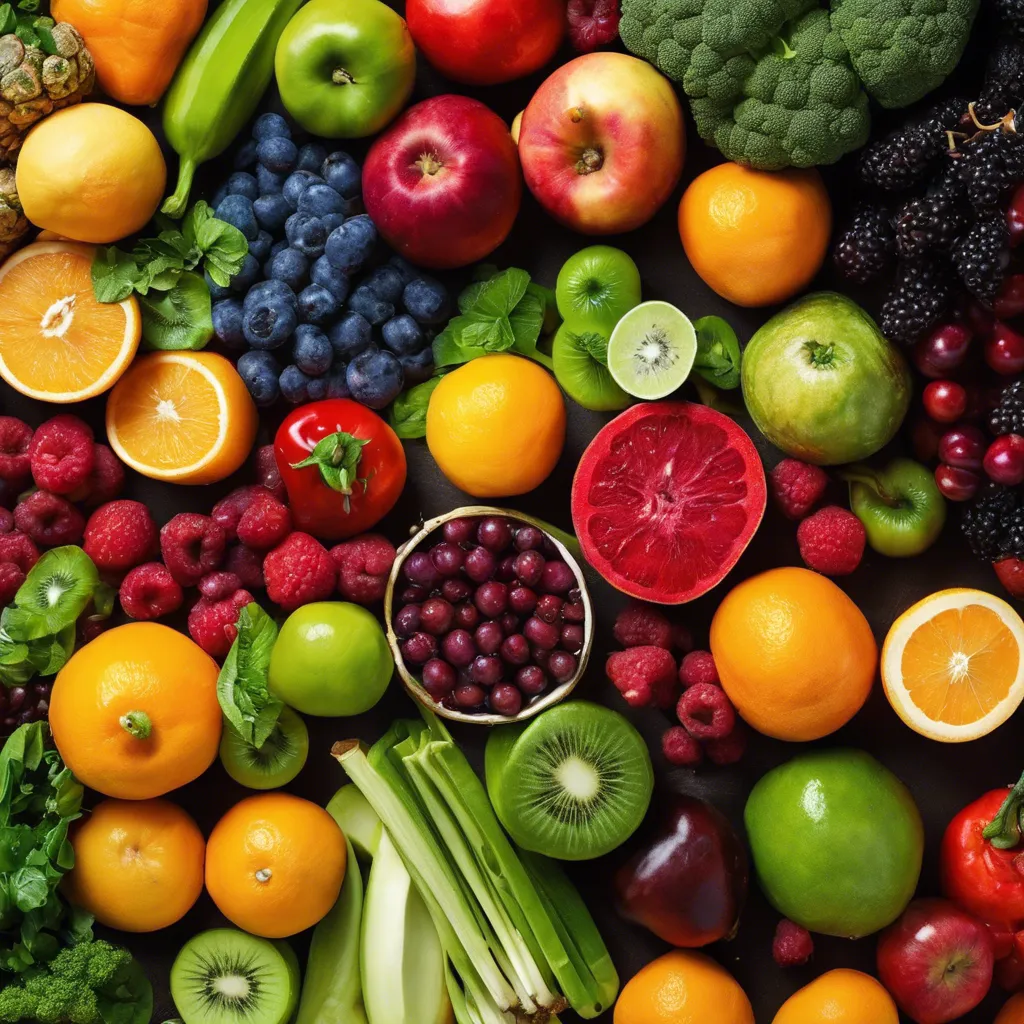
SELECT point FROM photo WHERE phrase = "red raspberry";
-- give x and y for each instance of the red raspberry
(268, 473)
(792, 945)
(217, 585)
(11, 578)
(212, 624)
(797, 487)
(18, 548)
(15, 445)
(119, 535)
(192, 545)
(61, 454)
(642, 625)
(698, 667)
(106, 481)
(228, 511)
(49, 519)
(364, 565)
(680, 748)
(1011, 574)
(643, 675)
(706, 712)
(831, 541)
(729, 749)
(149, 591)
(247, 565)
(265, 523)
(298, 571)
(6, 520)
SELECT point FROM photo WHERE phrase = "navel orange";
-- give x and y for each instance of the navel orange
(840, 997)
(1012, 1011)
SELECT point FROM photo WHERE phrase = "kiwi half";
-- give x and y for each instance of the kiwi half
(274, 764)
(651, 350)
(59, 586)
(572, 784)
(224, 976)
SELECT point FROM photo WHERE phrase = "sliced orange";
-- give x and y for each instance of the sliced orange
(57, 343)
(953, 664)
(185, 417)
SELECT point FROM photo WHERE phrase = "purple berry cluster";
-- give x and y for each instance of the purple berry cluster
(22, 704)
(489, 615)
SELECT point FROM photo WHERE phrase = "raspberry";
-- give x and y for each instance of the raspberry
(642, 625)
(1011, 574)
(298, 571)
(831, 541)
(106, 481)
(49, 519)
(119, 535)
(265, 523)
(212, 624)
(643, 675)
(729, 749)
(792, 945)
(149, 591)
(15, 444)
(268, 473)
(680, 748)
(228, 511)
(61, 454)
(11, 578)
(797, 487)
(218, 585)
(18, 548)
(364, 565)
(706, 712)
(6, 520)
(698, 667)
(192, 545)
(247, 565)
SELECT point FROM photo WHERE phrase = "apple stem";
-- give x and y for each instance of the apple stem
(1004, 830)
(590, 160)
(341, 77)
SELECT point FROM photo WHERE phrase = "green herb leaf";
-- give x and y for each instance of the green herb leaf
(408, 414)
(180, 319)
(498, 296)
(594, 344)
(552, 318)
(223, 246)
(245, 699)
(526, 321)
(718, 352)
(115, 274)
(8, 19)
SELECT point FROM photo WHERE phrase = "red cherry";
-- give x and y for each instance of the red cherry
(1015, 216)
(963, 447)
(1004, 460)
(1004, 350)
(1011, 574)
(956, 484)
(925, 438)
(979, 318)
(943, 350)
(1010, 301)
(945, 401)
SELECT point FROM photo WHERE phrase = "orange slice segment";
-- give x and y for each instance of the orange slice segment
(953, 664)
(57, 343)
(184, 417)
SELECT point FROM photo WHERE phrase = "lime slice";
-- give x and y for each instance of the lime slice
(651, 350)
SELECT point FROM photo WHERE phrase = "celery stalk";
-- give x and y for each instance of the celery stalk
(356, 818)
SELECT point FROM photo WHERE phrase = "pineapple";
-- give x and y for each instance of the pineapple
(13, 225)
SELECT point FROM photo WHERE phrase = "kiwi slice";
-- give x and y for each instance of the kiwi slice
(651, 350)
(579, 355)
(274, 764)
(59, 586)
(224, 976)
(597, 286)
(573, 784)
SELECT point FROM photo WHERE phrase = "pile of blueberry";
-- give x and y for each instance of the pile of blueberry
(315, 310)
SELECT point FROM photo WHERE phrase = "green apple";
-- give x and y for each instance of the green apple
(596, 287)
(345, 69)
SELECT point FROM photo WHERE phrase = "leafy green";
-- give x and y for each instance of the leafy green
(718, 352)
(32, 31)
(408, 413)
(594, 344)
(179, 319)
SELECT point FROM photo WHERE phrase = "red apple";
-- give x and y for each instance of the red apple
(602, 143)
(442, 184)
(484, 42)
(936, 960)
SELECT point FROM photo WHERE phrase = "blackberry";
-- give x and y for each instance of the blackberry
(981, 257)
(948, 184)
(924, 225)
(1008, 415)
(989, 163)
(1012, 14)
(994, 523)
(865, 248)
(920, 296)
(1003, 90)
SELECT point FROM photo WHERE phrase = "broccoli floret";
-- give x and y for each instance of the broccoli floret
(663, 32)
(903, 49)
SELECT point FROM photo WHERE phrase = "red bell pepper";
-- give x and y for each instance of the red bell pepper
(342, 465)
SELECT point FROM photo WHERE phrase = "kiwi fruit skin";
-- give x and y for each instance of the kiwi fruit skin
(276, 763)
(586, 381)
(597, 286)
(500, 742)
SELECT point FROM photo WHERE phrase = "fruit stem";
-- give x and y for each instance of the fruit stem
(863, 475)
(1004, 830)
(820, 355)
(137, 724)
(337, 456)
(174, 205)
(428, 163)
(341, 77)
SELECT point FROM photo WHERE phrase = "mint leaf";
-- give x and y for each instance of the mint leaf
(223, 246)
(498, 296)
(245, 699)
(179, 319)
(492, 334)
(718, 352)
(114, 274)
(526, 321)
(408, 413)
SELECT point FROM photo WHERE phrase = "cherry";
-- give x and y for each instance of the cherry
(522, 600)
(459, 531)
(572, 639)
(447, 558)
(438, 678)
(494, 533)
(515, 649)
(542, 634)
(480, 565)
(486, 670)
(1010, 301)
(562, 666)
(491, 599)
(469, 695)
(531, 680)
(963, 447)
(528, 538)
(1004, 460)
(924, 438)
(529, 566)
(943, 350)
(506, 700)
(407, 621)
(466, 616)
(419, 648)
(558, 578)
(1004, 350)
(945, 401)
(488, 637)
(457, 648)
(420, 570)
(956, 484)
(436, 616)
(1015, 216)
(455, 591)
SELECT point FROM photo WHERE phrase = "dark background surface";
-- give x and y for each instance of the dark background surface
(943, 778)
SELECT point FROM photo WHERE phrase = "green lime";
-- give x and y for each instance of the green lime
(651, 350)
(331, 659)
(837, 842)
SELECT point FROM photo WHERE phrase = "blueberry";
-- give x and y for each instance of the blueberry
(269, 126)
(227, 323)
(317, 389)
(277, 155)
(317, 305)
(312, 351)
(241, 183)
(350, 335)
(403, 335)
(366, 303)
(270, 183)
(334, 280)
(374, 378)
(405, 269)
(246, 155)
(295, 184)
(418, 367)
(259, 372)
(306, 233)
(427, 300)
(333, 221)
(219, 196)
(342, 173)
(261, 245)
(271, 212)
(337, 383)
(320, 200)
(351, 245)
(294, 385)
(290, 266)
(248, 275)
(278, 247)
(268, 291)
(237, 210)
(386, 283)
(217, 292)
(311, 157)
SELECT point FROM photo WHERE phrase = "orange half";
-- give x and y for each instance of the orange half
(953, 665)
(57, 343)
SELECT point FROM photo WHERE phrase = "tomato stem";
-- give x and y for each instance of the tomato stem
(1004, 830)
(337, 457)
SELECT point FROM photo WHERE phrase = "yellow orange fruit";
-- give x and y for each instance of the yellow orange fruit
(183, 417)
(755, 237)
(840, 997)
(794, 653)
(138, 864)
(91, 172)
(1012, 1011)
(134, 712)
(683, 987)
(57, 343)
(953, 664)
(275, 864)
(496, 426)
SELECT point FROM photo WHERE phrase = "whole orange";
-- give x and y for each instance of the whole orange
(755, 237)
(138, 864)
(682, 987)
(1012, 1011)
(275, 864)
(840, 997)
(134, 712)
(794, 653)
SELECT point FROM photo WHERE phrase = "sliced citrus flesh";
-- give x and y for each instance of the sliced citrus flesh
(953, 665)
(184, 417)
(57, 343)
